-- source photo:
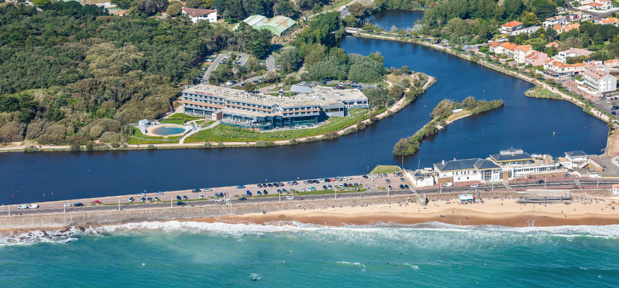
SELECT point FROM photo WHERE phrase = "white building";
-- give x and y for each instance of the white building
(143, 124)
(467, 170)
(516, 163)
(520, 52)
(422, 178)
(556, 68)
(555, 20)
(575, 160)
(573, 52)
(200, 14)
(597, 77)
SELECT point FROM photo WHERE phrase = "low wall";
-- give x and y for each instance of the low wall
(95, 218)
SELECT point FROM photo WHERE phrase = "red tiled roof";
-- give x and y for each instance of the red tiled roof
(512, 24)
(510, 46)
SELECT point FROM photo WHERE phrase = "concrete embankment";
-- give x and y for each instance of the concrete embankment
(96, 218)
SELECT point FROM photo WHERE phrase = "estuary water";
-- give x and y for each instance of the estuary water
(193, 254)
(386, 19)
(535, 125)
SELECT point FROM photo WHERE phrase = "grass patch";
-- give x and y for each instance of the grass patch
(173, 121)
(225, 133)
(183, 116)
(389, 169)
(538, 92)
(149, 139)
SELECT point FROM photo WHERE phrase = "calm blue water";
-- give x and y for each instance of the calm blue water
(164, 131)
(400, 19)
(535, 125)
(222, 255)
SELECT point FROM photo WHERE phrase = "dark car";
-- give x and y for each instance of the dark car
(185, 197)
(259, 185)
(143, 199)
(131, 200)
(265, 192)
(406, 186)
(295, 183)
(259, 193)
(275, 184)
(78, 204)
(242, 198)
(279, 191)
(178, 197)
(195, 190)
(365, 176)
(248, 193)
(240, 187)
(179, 203)
(401, 186)
(540, 181)
(324, 187)
(270, 185)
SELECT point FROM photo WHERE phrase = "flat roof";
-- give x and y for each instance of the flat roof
(320, 96)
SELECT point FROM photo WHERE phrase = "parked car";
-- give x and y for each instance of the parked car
(22, 206)
(143, 199)
(540, 181)
(159, 193)
(207, 189)
(78, 204)
(67, 205)
(387, 180)
(265, 192)
(131, 200)
(141, 195)
(259, 193)
(401, 186)
(178, 197)
(259, 185)
(289, 198)
(475, 185)
(199, 196)
(179, 203)
(240, 187)
(448, 184)
(242, 198)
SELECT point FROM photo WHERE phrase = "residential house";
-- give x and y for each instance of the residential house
(556, 68)
(467, 170)
(597, 78)
(493, 45)
(573, 52)
(560, 28)
(609, 21)
(200, 14)
(612, 64)
(600, 6)
(511, 26)
(507, 49)
(555, 20)
(528, 30)
(520, 52)
(552, 45)
(536, 58)
(573, 17)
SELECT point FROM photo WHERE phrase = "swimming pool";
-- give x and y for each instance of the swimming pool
(166, 130)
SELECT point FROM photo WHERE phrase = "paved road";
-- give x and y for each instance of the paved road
(270, 63)
(563, 184)
(244, 59)
(213, 67)
(595, 16)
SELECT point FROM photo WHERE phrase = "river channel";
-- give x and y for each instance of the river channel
(535, 125)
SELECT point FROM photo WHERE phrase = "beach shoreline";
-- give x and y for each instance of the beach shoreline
(496, 212)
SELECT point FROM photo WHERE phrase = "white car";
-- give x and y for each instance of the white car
(448, 184)
(23, 206)
(33, 206)
(67, 205)
(290, 198)
(475, 185)
(141, 195)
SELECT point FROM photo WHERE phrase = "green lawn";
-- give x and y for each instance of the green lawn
(225, 133)
(183, 116)
(389, 169)
(173, 121)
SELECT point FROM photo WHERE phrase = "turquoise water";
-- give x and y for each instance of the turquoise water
(165, 131)
(225, 255)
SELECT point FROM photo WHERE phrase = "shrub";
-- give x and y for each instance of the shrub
(75, 147)
(31, 148)
(151, 147)
(261, 143)
(221, 145)
(90, 146)
(207, 145)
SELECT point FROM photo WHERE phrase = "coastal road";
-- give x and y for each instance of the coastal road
(568, 184)
(244, 59)
(213, 67)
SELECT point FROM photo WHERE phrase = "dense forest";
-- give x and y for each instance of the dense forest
(474, 21)
(73, 73)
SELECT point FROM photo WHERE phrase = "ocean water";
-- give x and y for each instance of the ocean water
(191, 254)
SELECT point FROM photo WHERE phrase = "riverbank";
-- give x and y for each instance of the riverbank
(481, 61)
(396, 107)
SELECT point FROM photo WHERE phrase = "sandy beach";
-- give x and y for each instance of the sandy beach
(504, 212)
